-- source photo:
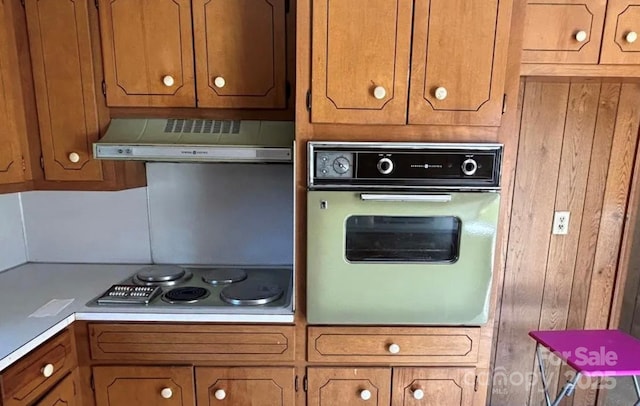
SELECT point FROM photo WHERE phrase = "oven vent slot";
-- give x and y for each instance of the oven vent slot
(186, 126)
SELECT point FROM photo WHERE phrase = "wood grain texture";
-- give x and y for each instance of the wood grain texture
(24, 382)
(246, 386)
(598, 71)
(243, 42)
(191, 342)
(357, 46)
(64, 394)
(460, 46)
(342, 386)
(143, 41)
(61, 53)
(141, 385)
(441, 386)
(623, 17)
(551, 27)
(366, 344)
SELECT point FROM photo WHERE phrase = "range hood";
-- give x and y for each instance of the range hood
(196, 140)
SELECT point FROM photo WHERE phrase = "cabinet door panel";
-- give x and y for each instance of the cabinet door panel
(619, 44)
(241, 42)
(64, 394)
(10, 152)
(551, 31)
(440, 386)
(344, 386)
(64, 79)
(146, 42)
(358, 46)
(143, 386)
(459, 48)
(246, 386)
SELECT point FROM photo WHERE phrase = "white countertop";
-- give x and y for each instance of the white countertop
(28, 287)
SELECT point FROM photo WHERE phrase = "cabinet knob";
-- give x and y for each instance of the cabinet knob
(220, 394)
(47, 370)
(394, 348)
(365, 394)
(581, 36)
(166, 393)
(168, 81)
(74, 157)
(219, 82)
(441, 93)
(418, 394)
(379, 92)
(631, 37)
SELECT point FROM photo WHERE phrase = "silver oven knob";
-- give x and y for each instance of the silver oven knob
(385, 166)
(469, 167)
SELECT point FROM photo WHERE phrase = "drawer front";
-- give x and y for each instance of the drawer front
(190, 342)
(564, 32)
(394, 345)
(25, 381)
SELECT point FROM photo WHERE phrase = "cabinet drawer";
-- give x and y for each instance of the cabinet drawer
(563, 32)
(393, 344)
(191, 342)
(25, 381)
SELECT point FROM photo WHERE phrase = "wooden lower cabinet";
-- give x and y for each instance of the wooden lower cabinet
(143, 386)
(252, 386)
(390, 386)
(64, 394)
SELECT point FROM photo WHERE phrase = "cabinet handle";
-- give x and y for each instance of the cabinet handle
(581, 36)
(631, 37)
(220, 394)
(365, 394)
(441, 93)
(418, 394)
(47, 370)
(74, 157)
(168, 81)
(166, 393)
(219, 82)
(394, 348)
(379, 92)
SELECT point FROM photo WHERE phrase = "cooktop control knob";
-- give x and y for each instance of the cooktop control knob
(385, 166)
(469, 167)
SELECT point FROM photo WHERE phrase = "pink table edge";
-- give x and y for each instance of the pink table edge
(584, 350)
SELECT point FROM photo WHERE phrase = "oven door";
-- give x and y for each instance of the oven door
(375, 258)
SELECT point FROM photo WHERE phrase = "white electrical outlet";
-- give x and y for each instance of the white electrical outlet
(561, 223)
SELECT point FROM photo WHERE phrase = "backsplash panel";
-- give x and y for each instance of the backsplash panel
(12, 244)
(83, 227)
(221, 213)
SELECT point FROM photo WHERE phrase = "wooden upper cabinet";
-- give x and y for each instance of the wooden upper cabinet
(253, 386)
(240, 53)
(621, 42)
(568, 31)
(148, 53)
(458, 61)
(360, 61)
(65, 87)
(64, 394)
(11, 169)
(433, 386)
(349, 386)
(143, 386)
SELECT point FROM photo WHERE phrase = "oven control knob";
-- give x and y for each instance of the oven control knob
(469, 167)
(365, 394)
(220, 394)
(385, 166)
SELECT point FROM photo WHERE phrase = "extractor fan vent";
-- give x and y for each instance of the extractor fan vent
(175, 125)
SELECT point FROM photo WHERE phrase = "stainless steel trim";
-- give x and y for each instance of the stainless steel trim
(402, 187)
(405, 198)
(183, 153)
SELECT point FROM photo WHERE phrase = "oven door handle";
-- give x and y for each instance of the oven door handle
(405, 198)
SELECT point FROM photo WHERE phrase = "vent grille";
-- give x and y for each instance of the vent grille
(175, 125)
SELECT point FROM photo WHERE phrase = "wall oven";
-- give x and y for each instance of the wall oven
(401, 233)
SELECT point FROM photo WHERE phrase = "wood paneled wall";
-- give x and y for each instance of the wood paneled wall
(576, 153)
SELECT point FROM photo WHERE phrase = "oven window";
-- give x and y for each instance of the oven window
(403, 239)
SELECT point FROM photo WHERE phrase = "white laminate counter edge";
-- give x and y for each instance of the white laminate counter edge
(157, 317)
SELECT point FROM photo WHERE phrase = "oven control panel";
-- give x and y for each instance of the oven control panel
(129, 294)
(409, 165)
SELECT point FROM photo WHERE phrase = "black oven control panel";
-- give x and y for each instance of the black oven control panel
(404, 165)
